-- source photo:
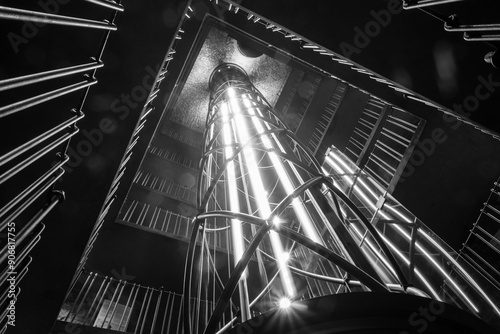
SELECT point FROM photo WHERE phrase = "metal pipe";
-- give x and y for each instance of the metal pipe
(329, 279)
(35, 100)
(481, 38)
(133, 303)
(96, 312)
(38, 139)
(125, 309)
(375, 234)
(315, 247)
(170, 315)
(197, 300)
(74, 280)
(188, 275)
(77, 296)
(147, 309)
(425, 3)
(156, 311)
(165, 314)
(16, 14)
(234, 278)
(37, 218)
(178, 330)
(47, 75)
(146, 112)
(29, 189)
(472, 27)
(107, 4)
(28, 161)
(142, 308)
(86, 289)
(100, 52)
(109, 306)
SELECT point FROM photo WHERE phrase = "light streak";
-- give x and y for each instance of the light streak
(298, 207)
(406, 235)
(240, 128)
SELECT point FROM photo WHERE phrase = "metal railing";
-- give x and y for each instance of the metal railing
(165, 186)
(108, 303)
(28, 172)
(475, 32)
(482, 246)
(146, 112)
(383, 140)
(152, 217)
(176, 157)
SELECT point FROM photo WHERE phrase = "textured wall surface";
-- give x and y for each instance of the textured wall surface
(266, 73)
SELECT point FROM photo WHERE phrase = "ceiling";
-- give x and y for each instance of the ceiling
(266, 73)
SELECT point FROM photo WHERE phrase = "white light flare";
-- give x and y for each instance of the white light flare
(284, 303)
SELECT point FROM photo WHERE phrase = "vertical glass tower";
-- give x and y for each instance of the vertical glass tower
(275, 230)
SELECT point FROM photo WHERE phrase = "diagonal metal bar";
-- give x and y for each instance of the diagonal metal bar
(107, 4)
(29, 160)
(471, 27)
(410, 4)
(234, 279)
(373, 231)
(366, 279)
(188, 275)
(56, 198)
(9, 206)
(47, 75)
(35, 100)
(16, 14)
(38, 139)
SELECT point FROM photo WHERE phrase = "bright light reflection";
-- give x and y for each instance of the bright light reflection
(286, 256)
(407, 236)
(298, 207)
(236, 232)
(240, 129)
(285, 303)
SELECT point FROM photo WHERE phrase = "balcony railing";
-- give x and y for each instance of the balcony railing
(39, 113)
(113, 304)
